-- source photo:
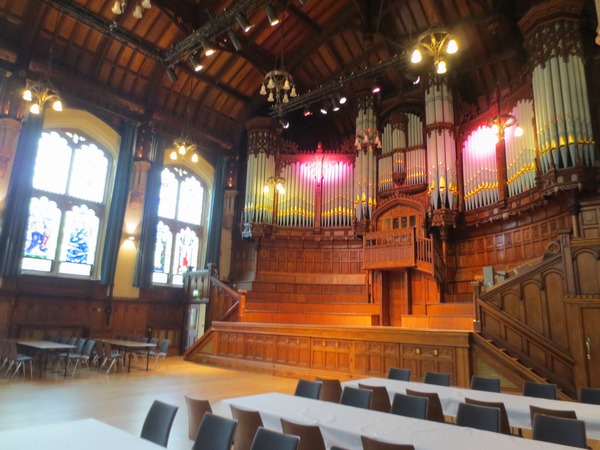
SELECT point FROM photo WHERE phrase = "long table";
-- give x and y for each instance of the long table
(343, 425)
(88, 434)
(43, 348)
(130, 347)
(517, 406)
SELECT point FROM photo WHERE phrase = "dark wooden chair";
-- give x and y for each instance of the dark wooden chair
(434, 406)
(380, 400)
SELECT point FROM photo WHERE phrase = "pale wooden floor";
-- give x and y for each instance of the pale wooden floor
(123, 399)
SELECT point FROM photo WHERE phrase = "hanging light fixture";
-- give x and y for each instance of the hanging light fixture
(277, 182)
(195, 63)
(278, 84)
(208, 48)
(184, 145)
(437, 43)
(273, 19)
(234, 40)
(41, 94)
(246, 26)
(307, 112)
(119, 6)
(171, 74)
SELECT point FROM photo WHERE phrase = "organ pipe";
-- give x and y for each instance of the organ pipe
(520, 150)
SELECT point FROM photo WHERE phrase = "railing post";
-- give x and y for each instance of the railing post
(242, 307)
(476, 292)
(567, 256)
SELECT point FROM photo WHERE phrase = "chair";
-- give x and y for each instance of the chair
(308, 389)
(589, 395)
(73, 355)
(143, 353)
(559, 430)
(396, 373)
(380, 400)
(86, 354)
(440, 379)
(17, 360)
(335, 447)
(360, 398)
(565, 414)
(215, 433)
(331, 390)
(373, 444)
(504, 424)
(539, 390)
(485, 384)
(109, 355)
(161, 353)
(434, 406)
(310, 436)
(410, 406)
(196, 409)
(248, 423)
(272, 440)
(159, 420)
(480, 417)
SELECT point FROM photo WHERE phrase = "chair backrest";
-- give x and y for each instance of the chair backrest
(89, 347)
(196, 409)
(107, 349)
(248, 423)
(565, 414)
(308, 389)
(539, 390)
(144, 340)
(410, 406)
(361, 398)
(559, 430)
(396, 373)
(310, 436)
(380, 400)
(335, 447)
(159, 420)
(485, 384)
(441, 379)
(215, 433)
(369, 443)
(164, 346)
(80, 344)
(504, 424)
(272, 440)
(480, 417)
(331, 390)
(589, 395)
(434, 406)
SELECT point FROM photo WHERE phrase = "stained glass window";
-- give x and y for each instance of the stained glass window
(180, 208)
(67, 210)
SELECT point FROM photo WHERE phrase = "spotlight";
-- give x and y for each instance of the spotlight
(413, 78)
(234, 40)
(341, 99)
(284, 123)
(246, 26)
(195, 63)
(172, 75)
(325, 107)
(335, 106)
(303, 2)
(307, 111)
(208, 49)
(376, 89)
(273, 20)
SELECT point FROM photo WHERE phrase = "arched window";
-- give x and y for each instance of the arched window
(67, 209)
(179, 231)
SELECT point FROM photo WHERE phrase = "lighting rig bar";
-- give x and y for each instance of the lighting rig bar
(324, 91)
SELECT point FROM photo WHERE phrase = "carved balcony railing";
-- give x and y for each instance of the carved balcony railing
(397, 249)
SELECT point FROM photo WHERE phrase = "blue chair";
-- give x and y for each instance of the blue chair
(396, 373)
(158, 423)
(539, 390)
(272, 440)
(440, 379)
(308, 389)
(559, 430)
(485, 384)
(215, 433)
(361, 398)
(161, 353)
(410, 406)
(480, 417)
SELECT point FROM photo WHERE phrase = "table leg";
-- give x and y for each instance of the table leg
(147, 358)
(66, 364)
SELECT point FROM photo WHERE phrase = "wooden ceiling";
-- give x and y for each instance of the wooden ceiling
(118, 63)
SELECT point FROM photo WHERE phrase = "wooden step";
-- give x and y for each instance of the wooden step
(318, 308)
(307, 318)
(463, 323)
(451, 309)
(305, 298)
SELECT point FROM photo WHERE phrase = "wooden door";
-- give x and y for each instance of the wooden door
(591, 337)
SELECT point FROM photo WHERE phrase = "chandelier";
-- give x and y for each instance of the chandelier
(119, 6)
(436, 42)
(500, 122)
(278, 84)
(184, 145)
(277, 182)
(40, 94)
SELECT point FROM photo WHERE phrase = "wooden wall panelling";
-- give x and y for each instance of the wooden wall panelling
(589, 221)
(293, 351)
(587, 269)
(371, 359)
(330, 355)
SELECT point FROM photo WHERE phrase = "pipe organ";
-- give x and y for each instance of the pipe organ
(416, 158)
(562, 112)
(296, 208)
(441, 145)
(520, 150)
(337, 194)
(480, 172)
(367, 143)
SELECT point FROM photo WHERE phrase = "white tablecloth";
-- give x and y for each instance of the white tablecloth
(88, 434)
(343, 425)
(517, 406)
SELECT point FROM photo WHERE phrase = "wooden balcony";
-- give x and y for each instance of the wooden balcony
(397, 249)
